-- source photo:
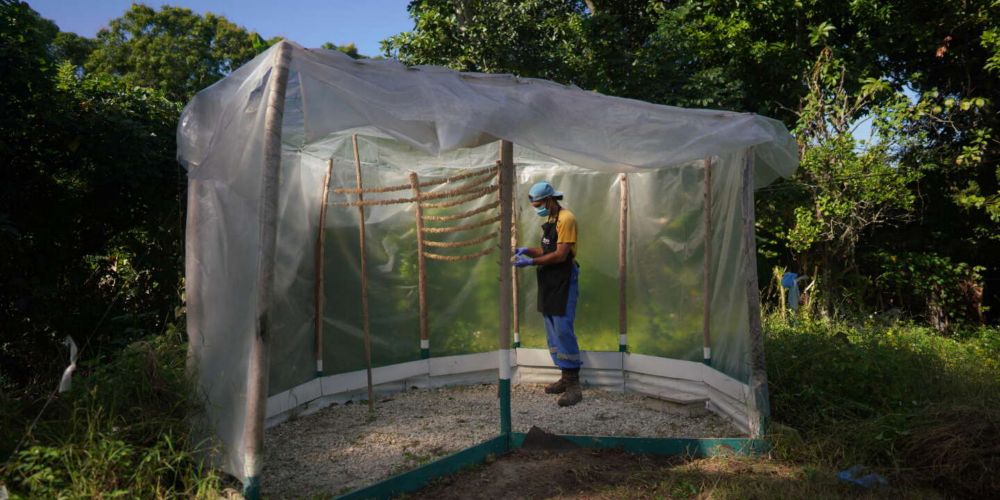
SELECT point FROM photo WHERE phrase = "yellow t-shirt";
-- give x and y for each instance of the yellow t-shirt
(566, 229)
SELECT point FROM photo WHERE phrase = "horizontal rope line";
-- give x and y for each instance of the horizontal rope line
(404, 187)
(473, 194)
(368, 203)
(456, 244)
(459, 191)
(453, 258)
(445, 204)
(463, 215)
(463, 227)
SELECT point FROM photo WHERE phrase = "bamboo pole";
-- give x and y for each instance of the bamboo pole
(257, 363)
(622, 264)
(707, 268)
(760, 407)
(192, 277)
(506, 194)
(320, 253)
(364, 278)
(515, 311)
(425, 343)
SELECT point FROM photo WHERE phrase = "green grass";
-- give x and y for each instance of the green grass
(920, 407)
(122, 431)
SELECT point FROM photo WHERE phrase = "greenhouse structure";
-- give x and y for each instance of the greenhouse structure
(350, 232)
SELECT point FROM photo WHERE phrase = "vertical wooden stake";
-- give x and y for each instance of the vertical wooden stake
(425, 342)
(515, 309)
(760, 406)
(320, 253)
(622, 264)
(707, 288)
(623, 273)
(364, 277)
(192, 276)
(506, 205)
(257, 362)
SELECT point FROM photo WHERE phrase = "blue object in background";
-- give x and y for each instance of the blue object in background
(788, 280)
(868, 481)
(791, 282)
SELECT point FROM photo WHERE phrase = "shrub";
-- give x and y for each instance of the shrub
(893, 396)
(124, 429)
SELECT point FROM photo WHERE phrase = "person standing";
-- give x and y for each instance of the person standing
(558, 277)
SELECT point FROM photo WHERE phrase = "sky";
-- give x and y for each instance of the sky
(306, 22)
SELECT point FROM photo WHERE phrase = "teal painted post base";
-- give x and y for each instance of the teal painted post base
(707, 362)
(622, 348)
(251, 488)
(505, 408)
(319, 374)
(517, 344)
(425, 353)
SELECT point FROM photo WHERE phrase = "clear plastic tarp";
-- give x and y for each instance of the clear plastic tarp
(437, 122)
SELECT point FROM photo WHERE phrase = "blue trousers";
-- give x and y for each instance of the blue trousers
(559, 333)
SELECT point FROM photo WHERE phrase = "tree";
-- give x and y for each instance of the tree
(536, 38)
(89, 205)
(926, 72)
(349, 49)
(173, 49)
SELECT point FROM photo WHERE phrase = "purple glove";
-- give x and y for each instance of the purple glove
(522, 261)
(520, 251)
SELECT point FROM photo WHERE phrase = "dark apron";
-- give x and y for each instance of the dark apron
(553, 279)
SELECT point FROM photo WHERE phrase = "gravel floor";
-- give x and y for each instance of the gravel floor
(338, 448)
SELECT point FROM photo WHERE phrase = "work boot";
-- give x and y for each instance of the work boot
(559, 386)
(573, 394)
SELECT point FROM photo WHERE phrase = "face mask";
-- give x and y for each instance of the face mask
(542, 211)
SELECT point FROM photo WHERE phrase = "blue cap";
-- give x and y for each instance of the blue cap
(542, 190)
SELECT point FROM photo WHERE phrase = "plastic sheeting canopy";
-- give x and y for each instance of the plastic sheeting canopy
(433, 120)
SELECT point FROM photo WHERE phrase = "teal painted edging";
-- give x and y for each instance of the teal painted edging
(419, 477)
(691, 447)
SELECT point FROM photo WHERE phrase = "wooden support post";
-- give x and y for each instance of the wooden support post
(506, 206)
(515, 310)
(425, 342)
(320, 254)
(257, 364)
(707, 269)
(760, 406)
(622, 263)
(364, 277)
(192, 277)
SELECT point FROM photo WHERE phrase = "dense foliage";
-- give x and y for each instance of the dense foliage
(922, 77)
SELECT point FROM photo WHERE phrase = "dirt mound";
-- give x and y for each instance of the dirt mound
(570, 472)
(538, 439)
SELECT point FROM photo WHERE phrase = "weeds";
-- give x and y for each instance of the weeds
(898, 397)
(920, 406)
(122, 431)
